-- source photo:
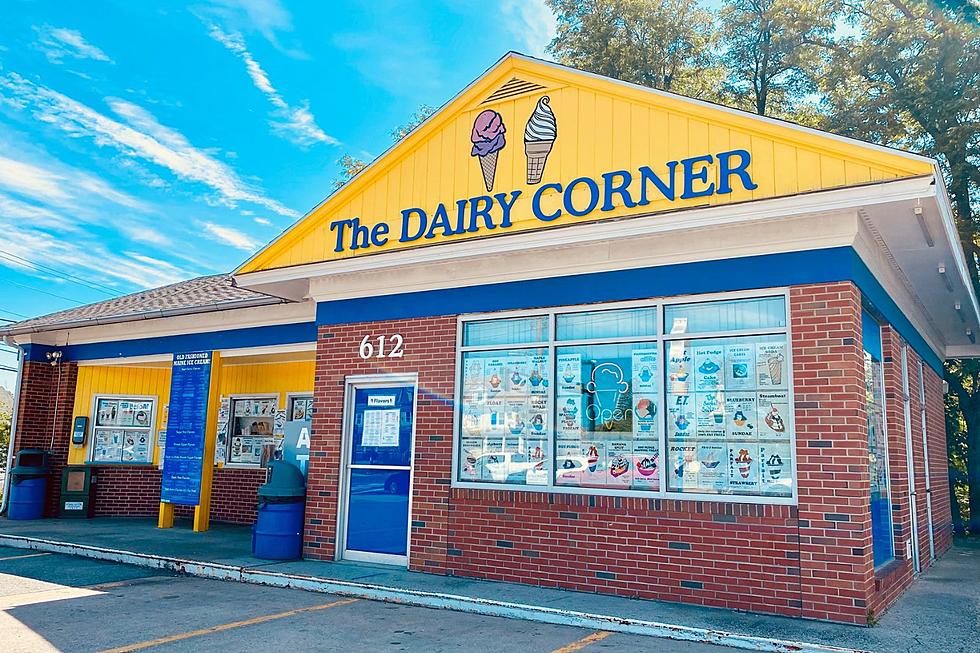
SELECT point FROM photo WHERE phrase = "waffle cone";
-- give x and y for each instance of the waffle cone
(537, 156)
(489, 165)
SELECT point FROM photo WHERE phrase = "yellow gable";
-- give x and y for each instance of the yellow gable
(533, 145)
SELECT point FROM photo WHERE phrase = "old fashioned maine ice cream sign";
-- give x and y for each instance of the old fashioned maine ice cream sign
(684, 179)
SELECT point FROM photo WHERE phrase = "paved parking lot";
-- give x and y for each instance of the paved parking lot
(50, 602)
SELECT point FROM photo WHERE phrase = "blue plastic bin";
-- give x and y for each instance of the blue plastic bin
(278, 533)
(27, 498)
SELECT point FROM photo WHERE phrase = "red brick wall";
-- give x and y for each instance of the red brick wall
(942, 517)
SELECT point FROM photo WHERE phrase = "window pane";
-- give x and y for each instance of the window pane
(732, 315)
(729, 423)
(251, 427)
(594, 325)
(513, 331)
(607, 416)
(505, 431)
(881, 519)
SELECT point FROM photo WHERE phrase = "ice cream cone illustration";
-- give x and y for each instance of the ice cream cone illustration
(776, 369)
(539, 137)
(775, 466)
(488, 140)
(593, 457)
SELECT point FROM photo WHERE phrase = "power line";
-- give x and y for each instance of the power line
(94, 285)
(10, 312)
(45, 292)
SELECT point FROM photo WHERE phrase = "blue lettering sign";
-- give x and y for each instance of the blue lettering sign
(183, 459)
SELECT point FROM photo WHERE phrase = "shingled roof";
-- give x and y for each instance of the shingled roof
(211, 293)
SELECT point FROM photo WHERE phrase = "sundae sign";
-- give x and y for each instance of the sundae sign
(697, 176)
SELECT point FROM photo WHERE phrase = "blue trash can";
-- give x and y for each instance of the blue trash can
(278, 531)
(29, 484)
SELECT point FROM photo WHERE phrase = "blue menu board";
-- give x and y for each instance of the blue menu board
(183, 459)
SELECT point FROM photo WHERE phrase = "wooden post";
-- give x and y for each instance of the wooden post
(202, 511)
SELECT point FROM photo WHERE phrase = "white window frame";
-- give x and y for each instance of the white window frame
(93, 425)
(293, 396)
(231, 421)
(660, 341)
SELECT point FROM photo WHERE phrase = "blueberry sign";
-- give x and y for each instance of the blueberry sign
(184, 456)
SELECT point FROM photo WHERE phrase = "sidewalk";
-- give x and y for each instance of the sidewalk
(223, 552)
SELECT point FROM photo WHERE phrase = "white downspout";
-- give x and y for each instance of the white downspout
(13, 423)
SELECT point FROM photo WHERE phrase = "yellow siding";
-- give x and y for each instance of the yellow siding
(602, 126)
(266, 378)
(118, 380)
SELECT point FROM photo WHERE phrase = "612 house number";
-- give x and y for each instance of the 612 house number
(386, 347)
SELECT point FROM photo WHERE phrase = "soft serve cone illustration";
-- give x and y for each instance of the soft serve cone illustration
(539, 138)
(488, 140)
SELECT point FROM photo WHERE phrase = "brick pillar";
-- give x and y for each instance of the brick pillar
(43, 387)
(836, 567)
(429, 351)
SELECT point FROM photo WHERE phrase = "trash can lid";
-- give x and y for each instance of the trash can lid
(32, 462)
(285, 480)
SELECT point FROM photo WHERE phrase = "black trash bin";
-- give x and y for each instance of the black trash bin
(29, 484)
(77, 492)
(278, 532)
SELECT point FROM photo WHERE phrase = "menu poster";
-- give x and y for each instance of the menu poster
(537, 416)
(108, 445)
(743, 466)
(680, 416)
(570, 464)
(537, 455)
(473, 376)
(774, 415)
(516, 416)
(381, 427)
(136, 447)
(472, 420)
(740, 367)
(471, 449)
(776, 468)
(619, 463)
(771, 365)
(594, 454)
(141, 412)
(645, 371)
(740, 416)
(709, 368)
(224, 410)
(494, 417)
(518, 375)
(645, 415)
(710, 414)
(107, 412)
(646, 465)
(162, 445)
(684, 466)
(712, 474)
(494, 373)
(538, 376)
(570, 416)
(679, 365)
(569, 374)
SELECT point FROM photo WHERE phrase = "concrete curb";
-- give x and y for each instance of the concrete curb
(437, 600)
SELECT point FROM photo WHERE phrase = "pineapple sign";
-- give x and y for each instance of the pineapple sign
(687, 178)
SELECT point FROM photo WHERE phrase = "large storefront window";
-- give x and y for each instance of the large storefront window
(615, 401)
(881, 514)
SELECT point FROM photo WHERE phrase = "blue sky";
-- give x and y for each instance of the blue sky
(142, 145)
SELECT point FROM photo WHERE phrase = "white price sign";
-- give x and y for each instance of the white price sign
(381, 347)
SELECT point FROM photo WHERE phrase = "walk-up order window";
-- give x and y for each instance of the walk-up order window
(122, 431)
(688, 398)
(251, 426)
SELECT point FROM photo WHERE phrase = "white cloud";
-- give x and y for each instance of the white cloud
(263, 221)
(296, 124)
(38, 216)
(26, 179)
(230, 236)
(140, 137)
(57, 43)
(65, 186)
(267, 17)
(142, 233)
(532, 22)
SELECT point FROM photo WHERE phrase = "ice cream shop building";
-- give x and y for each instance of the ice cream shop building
(570, 332)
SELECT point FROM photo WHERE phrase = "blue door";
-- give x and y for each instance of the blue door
(379, 472)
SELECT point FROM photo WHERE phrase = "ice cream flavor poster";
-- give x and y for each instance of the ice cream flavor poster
(469, 459)
(569, 374)
(494, 374)
(684, 467)
(570, 465)
(710, 414)
(646, 465)
(771, 365)
(518, 375)
(516, 416)
(712, 473)
(488, 140)
(473, 377)
(537, 416)
(774, 415)
(494, 417)
(595, 461)
(539, 137)
(740, 367)
(679, 365)
(776, 468)
(537, 454)
(619, 463)
(740, 416)
(539, 374)
(645, 415)
(570, 416)
(743, 466)
(709, 368)
(680, 416)
(645, 371)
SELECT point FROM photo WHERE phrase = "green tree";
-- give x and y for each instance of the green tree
(773, 52)
(665, 44)
(5, 419)
(350, 165)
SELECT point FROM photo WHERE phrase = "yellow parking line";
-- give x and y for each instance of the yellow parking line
(139, 646)
(26, 555)
(578, 645)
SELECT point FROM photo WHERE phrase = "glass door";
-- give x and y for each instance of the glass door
(379, 434)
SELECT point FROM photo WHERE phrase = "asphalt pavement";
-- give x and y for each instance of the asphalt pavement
(51, 602)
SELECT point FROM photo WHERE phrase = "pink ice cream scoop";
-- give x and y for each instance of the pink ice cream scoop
(488, 133)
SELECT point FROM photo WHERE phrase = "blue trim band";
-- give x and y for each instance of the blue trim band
(279, 334)
(745, 273)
